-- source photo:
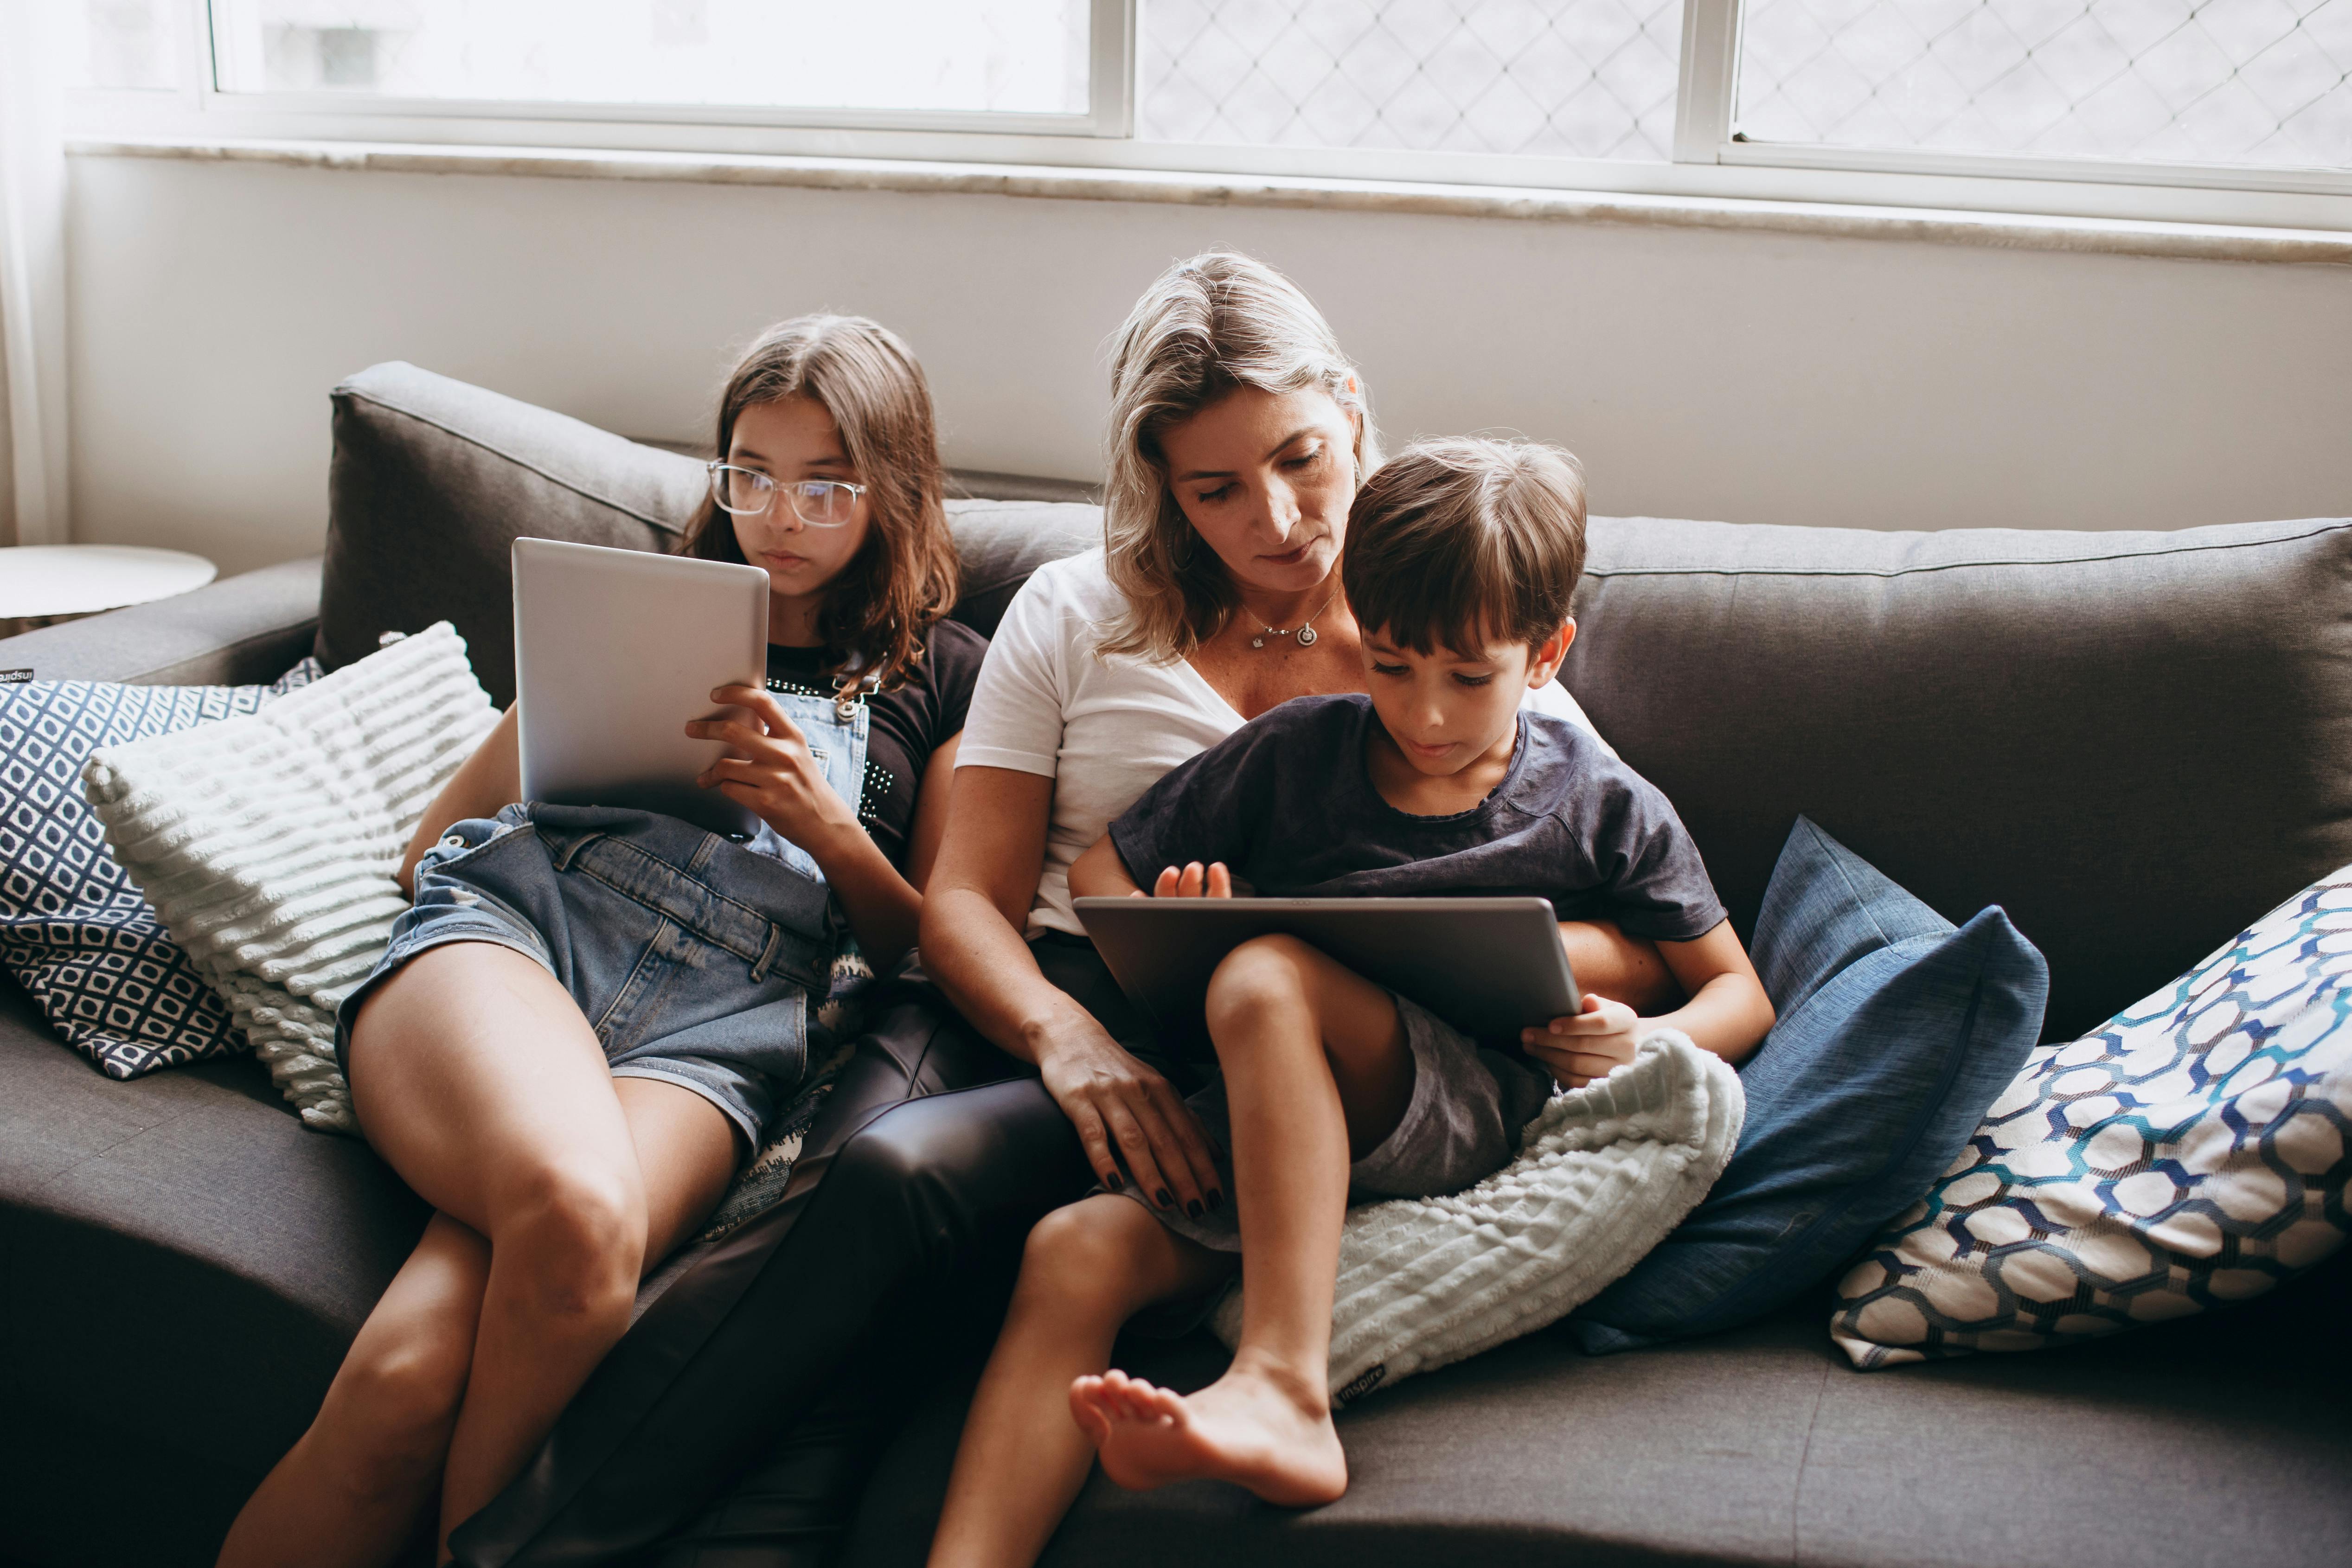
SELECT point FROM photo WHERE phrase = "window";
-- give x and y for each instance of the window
(1011, 64)
(122, 44)
(1805, 100)
(1577, 79)
(1025, 56)
(2257, 82)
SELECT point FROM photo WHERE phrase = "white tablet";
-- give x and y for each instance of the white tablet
(1490, 967)
(615, 652)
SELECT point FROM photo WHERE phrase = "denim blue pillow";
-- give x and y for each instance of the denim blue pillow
(1896, 1032)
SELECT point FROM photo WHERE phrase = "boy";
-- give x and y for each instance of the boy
(1462, 560)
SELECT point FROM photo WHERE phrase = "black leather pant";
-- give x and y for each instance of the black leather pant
(735, 1422)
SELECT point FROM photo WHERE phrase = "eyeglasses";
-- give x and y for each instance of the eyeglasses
(747, 493)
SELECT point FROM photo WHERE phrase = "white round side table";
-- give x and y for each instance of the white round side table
(42, 584)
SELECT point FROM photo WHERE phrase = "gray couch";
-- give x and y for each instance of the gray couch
(2134, 742)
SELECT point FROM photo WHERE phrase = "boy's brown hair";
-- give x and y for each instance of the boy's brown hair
(1457, 544)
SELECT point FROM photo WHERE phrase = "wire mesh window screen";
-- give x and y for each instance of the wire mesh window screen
(1005, 55)
(2264, 82)
(1585, 79)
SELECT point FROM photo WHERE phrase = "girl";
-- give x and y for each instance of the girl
(584, 1023)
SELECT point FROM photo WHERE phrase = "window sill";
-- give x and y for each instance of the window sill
(1997, 230)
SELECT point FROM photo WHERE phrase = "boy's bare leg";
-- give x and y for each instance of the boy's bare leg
(1087, 1270)
(1317, 1072)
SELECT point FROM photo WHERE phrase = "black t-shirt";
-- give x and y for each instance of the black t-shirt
(907, 727)
(1287, 803)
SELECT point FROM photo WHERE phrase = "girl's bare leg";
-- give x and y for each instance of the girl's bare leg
(481, 1084)
(357, 1489)
(1317, 1072)
(1087, 1270)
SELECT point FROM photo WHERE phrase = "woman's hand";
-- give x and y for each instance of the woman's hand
(769, 769)
(973, 913)
(1586, 1045)
(1126, 1112)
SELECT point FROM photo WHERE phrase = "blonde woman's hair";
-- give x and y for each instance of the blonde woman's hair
(1208, 326)
(904, 580)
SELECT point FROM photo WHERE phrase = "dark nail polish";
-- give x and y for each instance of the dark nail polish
(1116, 1182)
(1192, 1207)
(1167, 1198)
(1216, 1200)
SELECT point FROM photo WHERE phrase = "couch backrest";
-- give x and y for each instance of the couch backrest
(434, 479)
(2136, 742)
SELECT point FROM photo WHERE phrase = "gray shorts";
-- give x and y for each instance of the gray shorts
(1469, 1106)
(691, 956)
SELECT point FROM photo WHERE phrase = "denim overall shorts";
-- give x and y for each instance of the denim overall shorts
(694, 955)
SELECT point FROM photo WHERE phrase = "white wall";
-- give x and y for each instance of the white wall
(1759, 377)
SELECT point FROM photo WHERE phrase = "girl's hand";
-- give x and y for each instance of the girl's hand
(1586, 1045)
(768, 768)
(1193, 882)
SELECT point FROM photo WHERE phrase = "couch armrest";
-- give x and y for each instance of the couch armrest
(242, 631)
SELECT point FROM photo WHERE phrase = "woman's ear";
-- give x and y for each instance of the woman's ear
(1550, 653)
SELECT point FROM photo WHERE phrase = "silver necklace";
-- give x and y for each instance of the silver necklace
(1303, 632)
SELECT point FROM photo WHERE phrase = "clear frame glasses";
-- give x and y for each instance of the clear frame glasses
(747, 493)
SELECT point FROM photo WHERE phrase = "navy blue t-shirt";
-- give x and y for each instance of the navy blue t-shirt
(1287, 803)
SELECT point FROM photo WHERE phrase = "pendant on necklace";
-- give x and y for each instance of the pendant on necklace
(1257, 641)
(1306, 636)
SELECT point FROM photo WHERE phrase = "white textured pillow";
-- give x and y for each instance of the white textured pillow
(1603, 1172)
(268, 843)
(2188, 1154)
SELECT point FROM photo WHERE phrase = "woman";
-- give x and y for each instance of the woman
(589, 1016)
(1239, 435)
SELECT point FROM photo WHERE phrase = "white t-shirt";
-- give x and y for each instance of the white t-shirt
(1103, 729)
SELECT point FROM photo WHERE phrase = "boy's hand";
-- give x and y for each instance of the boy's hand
(1585, 1046)
(1193, 882)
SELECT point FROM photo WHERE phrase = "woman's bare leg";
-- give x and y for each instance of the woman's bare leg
(478, 1081)
(1317, 1072)
(1088, 1267)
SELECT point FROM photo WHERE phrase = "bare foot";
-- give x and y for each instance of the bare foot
(1249, 1428)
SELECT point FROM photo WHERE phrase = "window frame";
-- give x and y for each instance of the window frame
(1707, 159)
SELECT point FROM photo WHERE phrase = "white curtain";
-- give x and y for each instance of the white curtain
(33, 267)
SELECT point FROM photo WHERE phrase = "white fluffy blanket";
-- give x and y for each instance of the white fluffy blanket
(1604, 1172)
(268, 842)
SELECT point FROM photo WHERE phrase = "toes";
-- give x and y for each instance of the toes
(1087, 1409)
(1165, 1404)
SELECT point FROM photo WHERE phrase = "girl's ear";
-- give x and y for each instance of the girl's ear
(1550, 653)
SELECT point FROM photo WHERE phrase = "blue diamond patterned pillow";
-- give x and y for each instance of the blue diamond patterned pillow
(74, 929)
(2191, 1154)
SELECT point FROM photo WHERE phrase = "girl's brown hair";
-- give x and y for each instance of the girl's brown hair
(904, 579)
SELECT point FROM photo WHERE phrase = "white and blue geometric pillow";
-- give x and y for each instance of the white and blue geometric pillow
(2191, 1154)
(74, 929)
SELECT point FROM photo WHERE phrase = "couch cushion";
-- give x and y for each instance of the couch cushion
(433, 480)
(2134, 743)
(1762, 1445)
(178, 1255)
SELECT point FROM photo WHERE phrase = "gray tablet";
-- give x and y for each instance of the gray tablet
(1490, 967)
(615, 650)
